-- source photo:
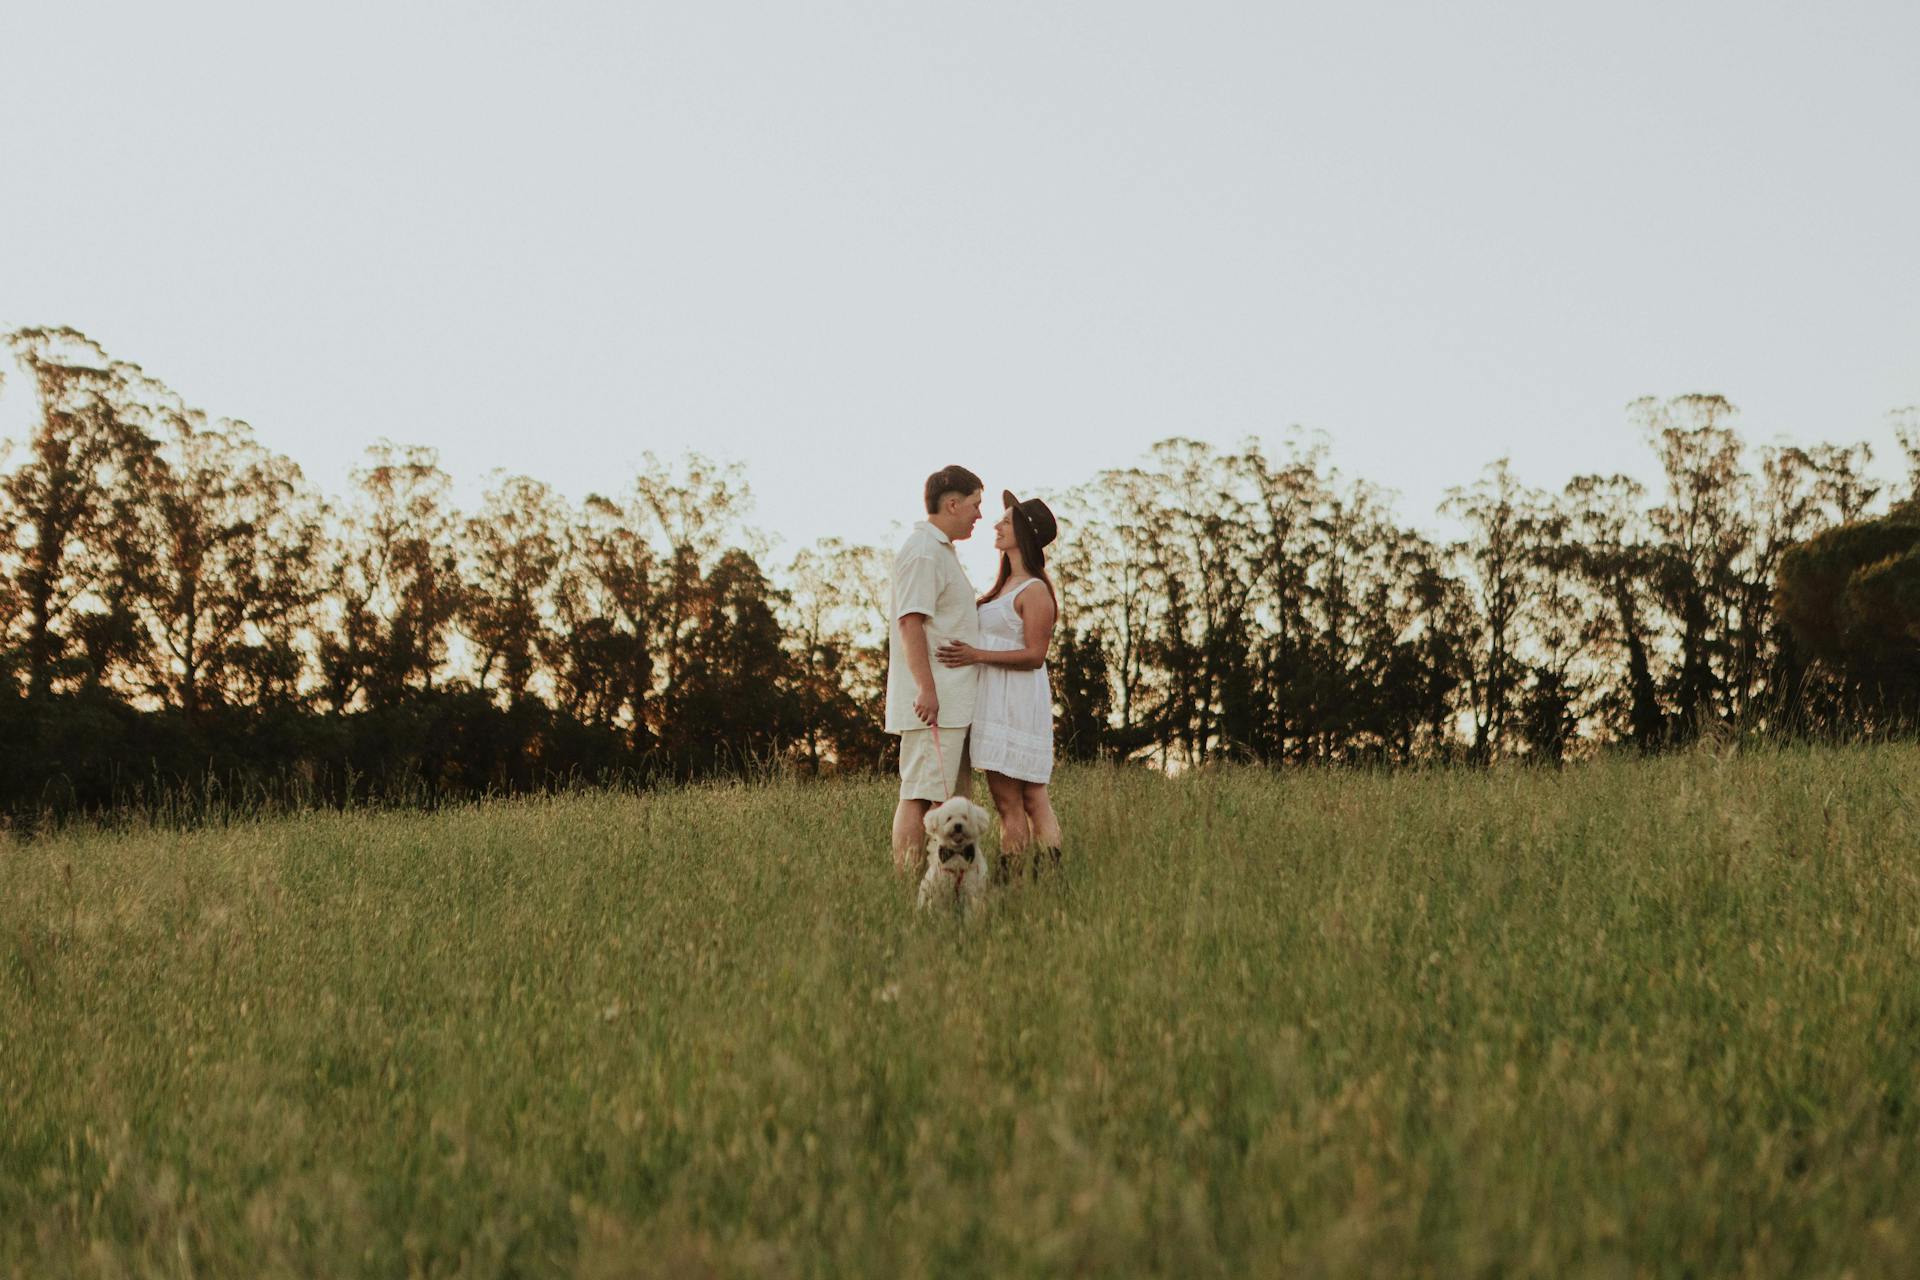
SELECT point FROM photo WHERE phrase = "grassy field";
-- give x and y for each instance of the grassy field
(1637, 1018)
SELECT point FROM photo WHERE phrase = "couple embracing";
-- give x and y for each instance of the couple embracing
(967, 677)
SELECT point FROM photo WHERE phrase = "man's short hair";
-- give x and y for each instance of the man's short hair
(954, 479)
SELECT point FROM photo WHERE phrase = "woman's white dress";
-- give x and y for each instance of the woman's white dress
(1013, 710)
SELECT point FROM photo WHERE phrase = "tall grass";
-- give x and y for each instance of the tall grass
(1634, 1018)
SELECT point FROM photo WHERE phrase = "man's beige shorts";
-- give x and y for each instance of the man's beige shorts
(920, 765)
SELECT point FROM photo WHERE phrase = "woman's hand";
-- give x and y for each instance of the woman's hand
(955, 654)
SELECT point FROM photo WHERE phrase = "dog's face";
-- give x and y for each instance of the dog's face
(954, 830)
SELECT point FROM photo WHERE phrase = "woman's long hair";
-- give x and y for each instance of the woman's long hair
(1030, 551)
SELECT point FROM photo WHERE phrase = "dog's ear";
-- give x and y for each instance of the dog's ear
(932, 821)
(980, 816)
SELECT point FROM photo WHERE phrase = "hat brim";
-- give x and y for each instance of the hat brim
(1017, 512)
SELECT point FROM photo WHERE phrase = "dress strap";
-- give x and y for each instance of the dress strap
(1022, 587)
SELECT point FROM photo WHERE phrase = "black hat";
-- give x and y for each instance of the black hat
(1034, 513)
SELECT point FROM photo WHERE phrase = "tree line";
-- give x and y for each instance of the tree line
(1257, 605)
(179, 608)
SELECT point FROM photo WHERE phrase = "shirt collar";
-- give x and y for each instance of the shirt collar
(934, 529)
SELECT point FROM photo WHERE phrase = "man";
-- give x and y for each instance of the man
(932, 603)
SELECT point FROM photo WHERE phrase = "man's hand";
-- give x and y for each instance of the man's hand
(927, 705)
(956, 654)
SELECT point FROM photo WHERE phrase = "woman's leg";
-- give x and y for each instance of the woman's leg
(1041, 822)
(1015, 833)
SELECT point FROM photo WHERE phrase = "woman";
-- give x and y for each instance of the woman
(1012, 735)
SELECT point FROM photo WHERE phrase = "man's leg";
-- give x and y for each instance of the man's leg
(921, 787)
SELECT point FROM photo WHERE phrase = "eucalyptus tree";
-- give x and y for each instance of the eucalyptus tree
(1612, 553)
(1842, 486)
(12, 601)
(602, 657)
(1436, 649)
(692, 513)
(511, 557)
(1796, 493)
(1703, 530)
(82, 467)
(1906, 431)
(1083, 694)
(1206, 551)
(1108, 608)
(659, 592)
(1288, 494)
(1508, 528)
(731, 703)
(1559, 627)
(1362, 610)
(394, 585)
(221, 576)
(836, 635)
(815, 598)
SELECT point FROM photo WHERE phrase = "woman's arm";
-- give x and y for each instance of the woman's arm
(1037, 616)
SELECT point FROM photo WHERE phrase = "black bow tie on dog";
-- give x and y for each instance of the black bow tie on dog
(966, 854)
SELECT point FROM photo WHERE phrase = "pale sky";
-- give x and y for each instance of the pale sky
(844, 243)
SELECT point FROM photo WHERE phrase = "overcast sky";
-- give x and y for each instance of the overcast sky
(843, 243)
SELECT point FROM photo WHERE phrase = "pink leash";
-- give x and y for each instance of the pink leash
(960, 876)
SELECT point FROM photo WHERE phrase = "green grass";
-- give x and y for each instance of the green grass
(1636, 1018)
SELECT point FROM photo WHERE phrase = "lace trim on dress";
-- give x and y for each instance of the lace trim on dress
(1014, 752)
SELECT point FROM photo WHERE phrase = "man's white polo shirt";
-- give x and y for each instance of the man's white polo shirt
(927, 578)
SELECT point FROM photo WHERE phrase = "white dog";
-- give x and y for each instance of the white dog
(958, 867)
